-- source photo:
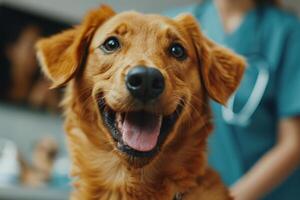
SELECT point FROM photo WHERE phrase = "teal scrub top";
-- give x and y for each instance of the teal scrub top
(269, 38)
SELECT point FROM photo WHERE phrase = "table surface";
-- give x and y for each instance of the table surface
(22, 193)
(24, 127)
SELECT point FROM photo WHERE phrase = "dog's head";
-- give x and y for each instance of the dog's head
(140, 75)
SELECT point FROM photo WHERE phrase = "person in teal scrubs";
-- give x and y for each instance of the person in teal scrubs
(256, 142)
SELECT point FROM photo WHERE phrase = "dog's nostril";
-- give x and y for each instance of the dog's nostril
(135, 81)
(157, 84)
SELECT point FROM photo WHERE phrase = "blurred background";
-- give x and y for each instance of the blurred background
(33, 158)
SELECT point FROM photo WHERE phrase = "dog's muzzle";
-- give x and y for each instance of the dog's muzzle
(140, 133)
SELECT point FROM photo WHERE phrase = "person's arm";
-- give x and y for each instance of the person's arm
(275, 166)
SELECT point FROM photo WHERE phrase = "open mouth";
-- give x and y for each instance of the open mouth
(138, 134)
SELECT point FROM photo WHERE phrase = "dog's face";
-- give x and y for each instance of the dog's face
(140, 75)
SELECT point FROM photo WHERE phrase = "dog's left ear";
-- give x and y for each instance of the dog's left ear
(62, 55)
(220, 69)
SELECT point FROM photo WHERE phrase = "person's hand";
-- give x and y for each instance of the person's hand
(238, 192)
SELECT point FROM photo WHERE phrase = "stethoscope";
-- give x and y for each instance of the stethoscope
(243, 117)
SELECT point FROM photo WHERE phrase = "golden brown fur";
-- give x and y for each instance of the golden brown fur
(103, 172)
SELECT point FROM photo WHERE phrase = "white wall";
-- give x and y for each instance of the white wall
(293, 5)
(73, 10)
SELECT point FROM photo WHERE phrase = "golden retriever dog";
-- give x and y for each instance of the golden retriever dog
(136, 104)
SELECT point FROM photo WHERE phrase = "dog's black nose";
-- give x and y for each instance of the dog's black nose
(145, 83)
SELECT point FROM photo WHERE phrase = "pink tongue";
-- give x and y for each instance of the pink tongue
(140, 130)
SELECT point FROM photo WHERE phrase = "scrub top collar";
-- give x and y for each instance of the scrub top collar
(249, 28)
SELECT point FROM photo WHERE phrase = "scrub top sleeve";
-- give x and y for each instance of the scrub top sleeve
(288, 97)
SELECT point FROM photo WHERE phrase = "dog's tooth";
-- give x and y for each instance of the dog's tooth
(161, 117)
(119, 120)
(120, 127)
(119, 145)
(117, 117)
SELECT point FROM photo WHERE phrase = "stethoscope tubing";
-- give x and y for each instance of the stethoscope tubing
(242, 118)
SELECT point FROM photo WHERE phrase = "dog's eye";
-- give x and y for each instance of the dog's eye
(178, 51)
(110, 45)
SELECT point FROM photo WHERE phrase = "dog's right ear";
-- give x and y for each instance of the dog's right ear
(63, 54)
(220, 69)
